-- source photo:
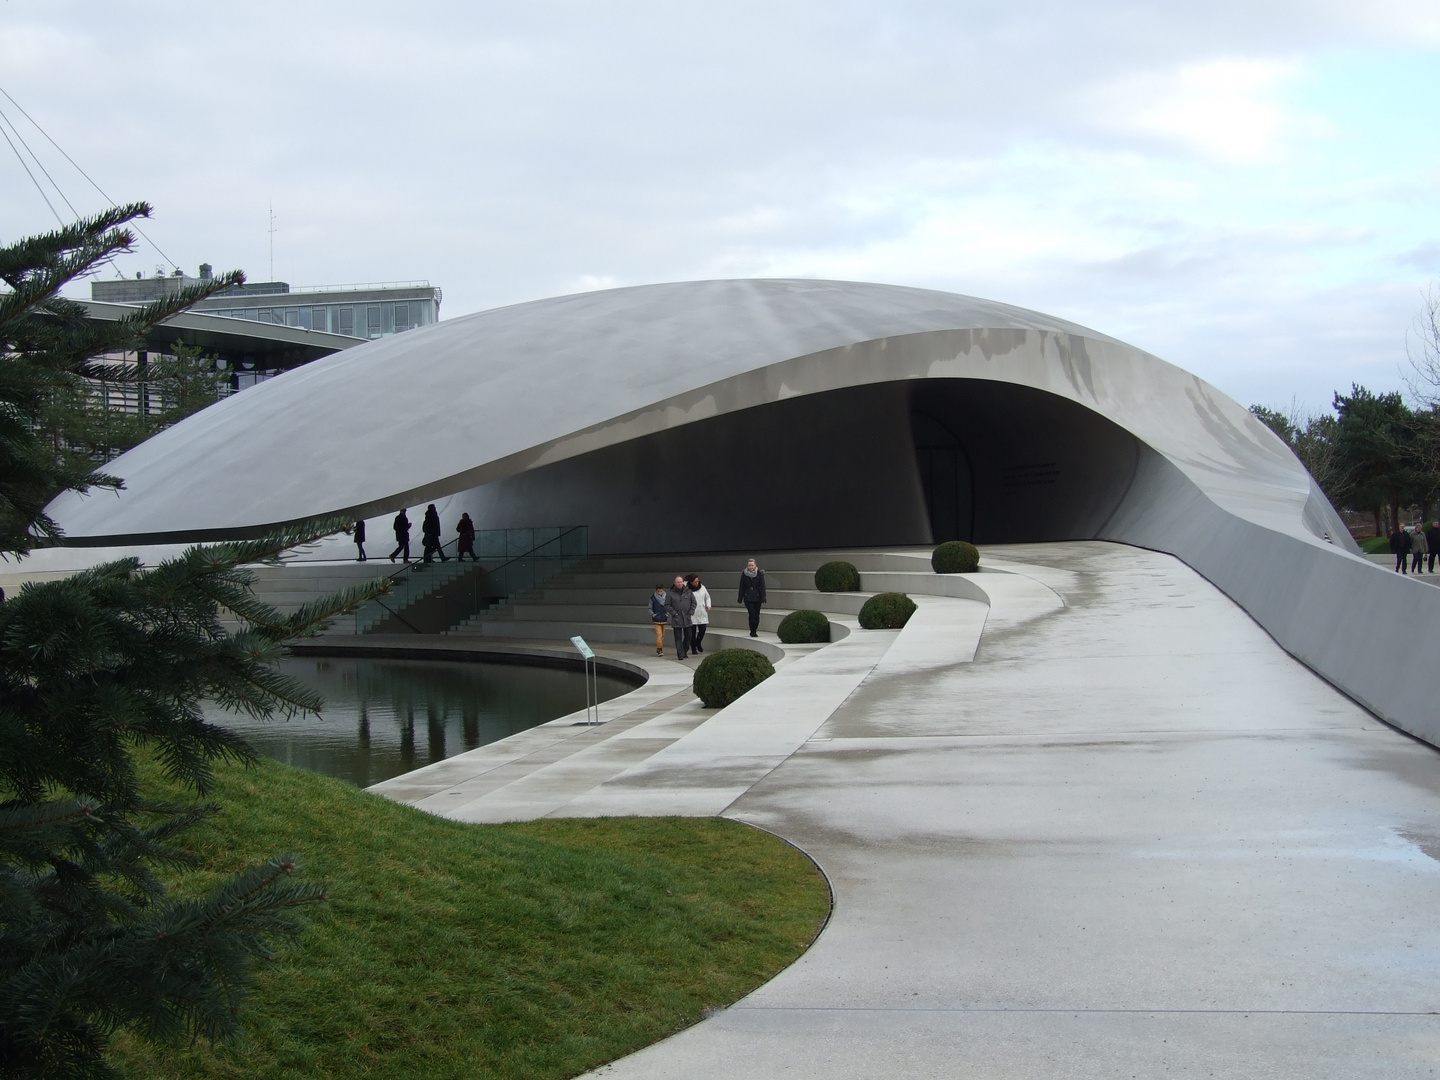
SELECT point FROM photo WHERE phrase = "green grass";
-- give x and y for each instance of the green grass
(1375, 545)
(532, 950)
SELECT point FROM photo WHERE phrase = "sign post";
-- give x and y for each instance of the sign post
(592, 679)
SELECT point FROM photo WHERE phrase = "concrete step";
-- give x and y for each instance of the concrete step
(718, 584)
(518, 619)
(787, 561)
(849, 603)
(614, 633)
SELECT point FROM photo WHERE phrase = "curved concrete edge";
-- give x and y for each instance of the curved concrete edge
(1362, 628)
(423, 649)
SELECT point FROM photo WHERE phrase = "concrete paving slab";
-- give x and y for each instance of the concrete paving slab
(1132, 838)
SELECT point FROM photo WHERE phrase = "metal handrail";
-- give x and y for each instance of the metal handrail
(405, 574)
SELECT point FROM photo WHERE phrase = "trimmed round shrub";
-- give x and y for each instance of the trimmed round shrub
(837, 577)
(723, 676)
(955, 557)
(804, 628)
(887, 611)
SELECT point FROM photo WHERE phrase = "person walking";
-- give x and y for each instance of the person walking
(466, 529)
(680, 606)
(402, 536)
(360, 539)
(660, 617)
(430, 534)
(701, 618)
(1400, 545)
(1418, 550)
(752, 594)
(1432, 542)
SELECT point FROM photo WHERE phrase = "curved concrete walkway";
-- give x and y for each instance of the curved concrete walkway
(1131, 838)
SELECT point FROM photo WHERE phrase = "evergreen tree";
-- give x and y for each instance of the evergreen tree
(108, 663)
(1314, 440)
(1375, 438)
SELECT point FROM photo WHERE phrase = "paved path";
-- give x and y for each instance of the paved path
(1131, 838)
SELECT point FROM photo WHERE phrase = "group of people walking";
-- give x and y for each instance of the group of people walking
(430, 532)
(685, 608)
(1420, 543)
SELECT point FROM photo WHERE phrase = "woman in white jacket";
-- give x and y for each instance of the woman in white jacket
(701, 618)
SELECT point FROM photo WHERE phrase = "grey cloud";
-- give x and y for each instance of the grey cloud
(508, 152)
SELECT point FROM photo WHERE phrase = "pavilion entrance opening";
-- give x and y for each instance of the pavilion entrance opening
(946, 479)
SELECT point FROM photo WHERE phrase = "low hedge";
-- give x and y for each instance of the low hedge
(887, 611)
(723, 676)
(804, 628)
(955, 557)
(837, 577)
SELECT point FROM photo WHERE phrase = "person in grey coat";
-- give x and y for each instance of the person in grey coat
(680, 606)
(1419, 548)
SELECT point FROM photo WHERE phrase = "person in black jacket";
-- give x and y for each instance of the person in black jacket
(1432, 540)
(1400, 546)
(360, 539)
(466, 529)
(402, 536)
(752, 594)
(430, 534)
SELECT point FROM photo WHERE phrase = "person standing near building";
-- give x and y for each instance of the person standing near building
(466, 529)
(701, 618)
(680, 607)
(402, 536)
(1400, 545)
(752, 594)
(430, 534)
(360, 539)
(659, 617)
(1418, 549)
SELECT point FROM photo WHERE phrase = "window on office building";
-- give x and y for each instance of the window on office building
(347, 320)
(292, 316)
(372, 320)
(402, 317)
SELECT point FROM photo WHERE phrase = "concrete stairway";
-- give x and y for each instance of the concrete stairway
(657, 749)
(606, 599)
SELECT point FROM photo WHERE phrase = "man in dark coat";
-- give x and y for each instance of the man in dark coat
(430, 534)
(466, 529)
(1400, 546)
(752, 594)
(402, 536)
(1432, 539)
(679, 606)
(360, 538)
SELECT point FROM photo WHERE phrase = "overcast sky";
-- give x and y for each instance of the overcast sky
(1247, 189)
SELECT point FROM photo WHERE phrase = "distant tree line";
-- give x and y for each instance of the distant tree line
(1377, 454)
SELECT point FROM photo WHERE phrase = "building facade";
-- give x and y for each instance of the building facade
(366, 311)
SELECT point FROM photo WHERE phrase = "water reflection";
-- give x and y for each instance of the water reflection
(386, 717)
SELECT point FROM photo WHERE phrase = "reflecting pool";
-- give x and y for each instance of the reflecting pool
(386, 717)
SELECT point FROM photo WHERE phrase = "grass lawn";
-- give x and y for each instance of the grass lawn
(1375, 545)
(532, 950)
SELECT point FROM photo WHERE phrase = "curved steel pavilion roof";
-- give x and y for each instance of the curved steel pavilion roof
(499, 396)
(438, 410)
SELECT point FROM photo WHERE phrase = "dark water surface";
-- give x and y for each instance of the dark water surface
(386, 717)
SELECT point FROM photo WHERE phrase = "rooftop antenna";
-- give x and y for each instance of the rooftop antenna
(272, 239)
